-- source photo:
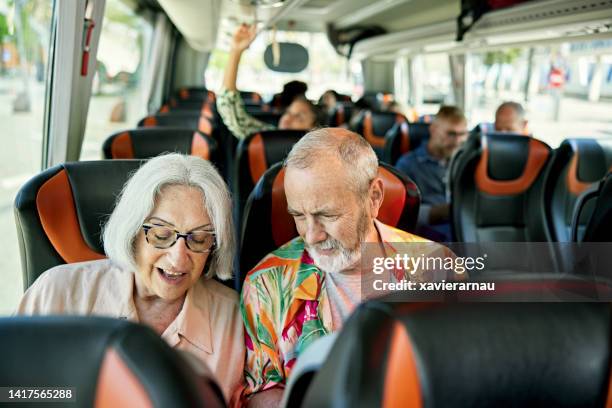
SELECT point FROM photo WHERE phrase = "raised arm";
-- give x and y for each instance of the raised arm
(242, 39)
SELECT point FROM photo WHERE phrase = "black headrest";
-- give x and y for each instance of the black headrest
(267, 225)
(103, 360)
(145, 143)
(340, 114)
(599, 227)
(402, 138)
(185, 119)
(60, 212)
(194, 93)
(463, 354)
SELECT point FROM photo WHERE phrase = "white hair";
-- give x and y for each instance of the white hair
(138, 198)
(355, 152)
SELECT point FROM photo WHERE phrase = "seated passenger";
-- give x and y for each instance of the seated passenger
(510, 117)
(328, 100)
(427, 166)
(291, 91)
(170, 233)
(301, 114)
(308, 287)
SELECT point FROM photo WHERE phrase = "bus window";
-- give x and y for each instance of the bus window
(24, 40)
(565, 89)
(326, 69)
(116, 95)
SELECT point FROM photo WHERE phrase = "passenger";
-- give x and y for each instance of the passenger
(427, 166)
(169, 235)
(291, 91)
(308, 287)
(328, 100)
(301, 114)
(510, 117)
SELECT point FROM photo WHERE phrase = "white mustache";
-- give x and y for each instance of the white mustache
(327, 244)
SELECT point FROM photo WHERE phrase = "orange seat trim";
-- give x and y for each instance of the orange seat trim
(121, 147)
(118, 386)
(257, 158)
(58, 216)
(394, 198)
(538, 155)
(204, 125)
(199, 146)
(404, 138)
(283, 225)
(402, 387)
(150, 121)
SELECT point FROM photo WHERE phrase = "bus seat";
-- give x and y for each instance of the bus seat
(596, 205)
(251, 98)
(497, 189)
(576, 165)
(106, 363)
(340, 114)
(254, 155)
(186, 119)
(267, 225)
(469, 354)
(269, 117)
(59, 213)
(402, 138)
(179, 105)
(195, 93)
(373, 126)
(145, 143)
(427, 118)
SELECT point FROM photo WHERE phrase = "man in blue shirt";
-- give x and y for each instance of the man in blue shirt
(427, 166)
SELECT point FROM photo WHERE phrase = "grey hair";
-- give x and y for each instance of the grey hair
(515, 106)
(138, 198)
(353, 150)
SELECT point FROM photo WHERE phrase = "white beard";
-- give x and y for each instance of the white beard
(344, 258)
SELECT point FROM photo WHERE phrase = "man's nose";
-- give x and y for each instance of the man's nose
(315, 232)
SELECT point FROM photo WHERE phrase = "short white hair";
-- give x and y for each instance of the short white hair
(354, 151)
(138, 198)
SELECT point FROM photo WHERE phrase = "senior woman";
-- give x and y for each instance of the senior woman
(170, 233)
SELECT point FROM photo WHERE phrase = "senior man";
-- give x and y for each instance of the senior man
(308, 287)
(510, 117)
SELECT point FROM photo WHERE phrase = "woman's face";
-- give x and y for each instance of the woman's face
(169, 273)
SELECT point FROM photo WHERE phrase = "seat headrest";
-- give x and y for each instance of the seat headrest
(509, 163)
(186, 119)
(587, 163)
(145, 143)
(60, 212)
(377, 124)
(434, 354)
(108, 362)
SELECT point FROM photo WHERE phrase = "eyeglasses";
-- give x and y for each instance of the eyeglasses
(453, 134)
(162, 237)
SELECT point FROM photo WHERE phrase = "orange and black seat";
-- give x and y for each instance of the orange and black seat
(59, 213)
(594, 205)
(470, 354)
(145, 143)
(497, 185)
(267, 225)
(267, 116)
(185, 119)
(254, 155)
(103, 362)
(194, 93)
(205, 108)
(373, 126)
(340, 114)
(577, 164)
(251, 98)
(402, 138)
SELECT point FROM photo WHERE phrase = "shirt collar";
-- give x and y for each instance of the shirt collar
(422, 154)
(193, 321)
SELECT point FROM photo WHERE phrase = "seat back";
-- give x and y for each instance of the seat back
(254, 155)
(373, 126)
(599, 225)
(251, 98)
(340, 114)
(145, 143)
(267, 116)
(497, 189)
(395, 354)
(59, 213)
(185, 119)
(107, 363)
(267, 225)
(205, 107)
(576, 165)
(193, 93)
(402, 138)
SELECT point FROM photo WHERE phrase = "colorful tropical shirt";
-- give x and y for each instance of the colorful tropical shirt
(235, 117)
(285, 308)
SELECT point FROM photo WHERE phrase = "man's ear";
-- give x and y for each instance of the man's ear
(376, 196)
(525, 123)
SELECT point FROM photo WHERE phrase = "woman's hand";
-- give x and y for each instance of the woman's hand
(243, 37)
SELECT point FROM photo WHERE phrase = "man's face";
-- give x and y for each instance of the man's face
(508, 120)
(298, 116)
(447, 136)
(330, 217)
